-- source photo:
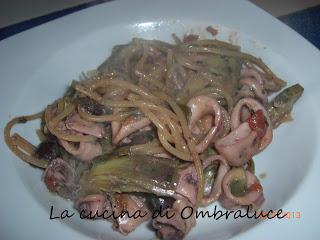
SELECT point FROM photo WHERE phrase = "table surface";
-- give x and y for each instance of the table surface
(17, 16)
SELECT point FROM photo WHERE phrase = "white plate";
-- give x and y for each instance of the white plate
(37, 65)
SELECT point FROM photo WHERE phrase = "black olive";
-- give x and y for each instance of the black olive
(92, 106)
(156, 203)
(48, 150)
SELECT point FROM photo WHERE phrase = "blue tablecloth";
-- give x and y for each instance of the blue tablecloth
(306, 22)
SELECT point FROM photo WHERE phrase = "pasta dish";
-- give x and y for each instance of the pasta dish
(160, 126)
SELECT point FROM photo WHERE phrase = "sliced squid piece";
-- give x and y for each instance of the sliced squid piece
(60, 177)
(238, 146)
(255, 106)
(247, 72)
(271, 85)
(252, 196)
(252, 88)
(201, 107)
(94, 206)
(132, 204)
(128, 126)
(176, 227)
(75, 123)
(187, 183)
(216, 189)
(85, 152)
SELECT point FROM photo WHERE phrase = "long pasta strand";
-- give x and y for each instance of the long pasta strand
(21, 147)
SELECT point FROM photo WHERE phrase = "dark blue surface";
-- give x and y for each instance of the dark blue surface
(25, 25)
(306, 22)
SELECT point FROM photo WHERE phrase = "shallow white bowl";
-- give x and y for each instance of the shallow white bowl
(37, 65)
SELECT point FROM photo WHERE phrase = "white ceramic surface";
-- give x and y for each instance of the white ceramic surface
(37, 65)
